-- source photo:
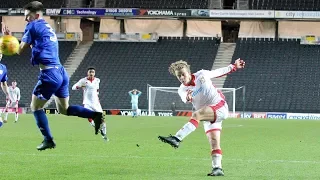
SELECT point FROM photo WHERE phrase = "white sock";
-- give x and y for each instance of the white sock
(104, 129)
(187, 129)
(6, 116)
(216, 158)
(91, 121)
(16, 116)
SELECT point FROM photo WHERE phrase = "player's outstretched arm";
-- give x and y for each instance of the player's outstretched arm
(238, 64)
(139, 92)
(22, 47)
(98, 85)
(18, 94)
(4, 85)
(5, 89)
(78, 85)
(5, 30)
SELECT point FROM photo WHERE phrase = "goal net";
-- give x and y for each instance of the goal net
(163, 98)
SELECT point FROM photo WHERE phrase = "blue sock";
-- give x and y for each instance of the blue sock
(80, 111)
(42, 122)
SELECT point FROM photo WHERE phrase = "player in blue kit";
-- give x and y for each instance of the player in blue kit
(4, 85)
(53, 79)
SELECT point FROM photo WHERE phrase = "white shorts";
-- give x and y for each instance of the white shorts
(222, 113)
(94, 107)
(11, 104)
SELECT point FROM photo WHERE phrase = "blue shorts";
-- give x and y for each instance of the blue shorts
(52, 81)
(134, 106)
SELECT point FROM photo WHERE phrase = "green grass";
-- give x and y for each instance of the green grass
(252, 149)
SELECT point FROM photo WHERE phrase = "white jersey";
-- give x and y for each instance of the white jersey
(90, 90)
(14, 94)
(204, 93)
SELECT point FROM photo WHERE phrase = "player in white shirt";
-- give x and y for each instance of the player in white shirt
(90, 87)
(13, 101)
(209, 103)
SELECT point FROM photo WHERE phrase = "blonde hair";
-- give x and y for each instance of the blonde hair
(177, 66)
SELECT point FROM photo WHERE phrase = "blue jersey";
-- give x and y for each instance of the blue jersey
(134, 97)
(3, 73)
(45, 51)
(45, 48)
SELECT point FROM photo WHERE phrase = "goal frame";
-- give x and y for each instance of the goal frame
(173, 88)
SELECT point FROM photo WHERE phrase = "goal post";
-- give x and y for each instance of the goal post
(162, 98)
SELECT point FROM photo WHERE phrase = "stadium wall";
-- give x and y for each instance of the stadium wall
(245, 115)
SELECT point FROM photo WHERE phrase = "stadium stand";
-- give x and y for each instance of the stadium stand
(280, 75)
(66, 48)
(22, 3)
(302, 5)
(163, 4)
(26, 77)
(125, 66)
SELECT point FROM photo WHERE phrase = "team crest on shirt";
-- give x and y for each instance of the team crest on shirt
(202, 80)
(1, 71)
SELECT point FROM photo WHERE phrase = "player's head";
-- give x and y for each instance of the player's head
(134, 91)
(91, 72)
(33, 11)
(14, 83)
(181, 69)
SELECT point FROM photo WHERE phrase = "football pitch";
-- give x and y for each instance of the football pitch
(252, 149)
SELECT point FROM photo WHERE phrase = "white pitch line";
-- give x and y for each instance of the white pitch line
(223, 126)
(159, 157)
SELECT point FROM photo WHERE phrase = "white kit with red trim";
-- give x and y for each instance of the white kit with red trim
(14, 94)
(203, 92)
(90, 90)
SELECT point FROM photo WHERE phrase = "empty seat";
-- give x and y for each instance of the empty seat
(279, 76)
(21, 70)
(301, 5)
(163, 4)
(125, 66)
(22, 3)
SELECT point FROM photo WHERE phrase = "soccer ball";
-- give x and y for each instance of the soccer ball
(9, 45)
